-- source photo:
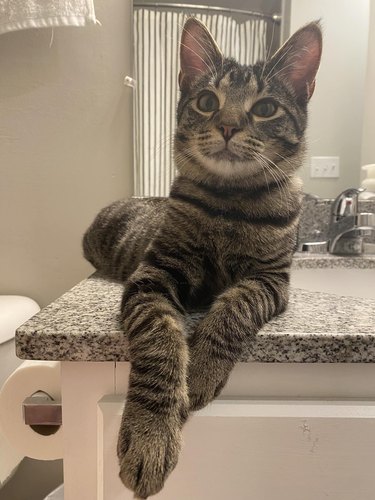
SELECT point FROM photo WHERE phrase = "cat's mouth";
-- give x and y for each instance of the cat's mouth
(234, 152)
(225, 154)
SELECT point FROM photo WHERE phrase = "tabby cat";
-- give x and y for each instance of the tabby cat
(223, 240)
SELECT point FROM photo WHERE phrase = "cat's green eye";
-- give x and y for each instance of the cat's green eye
(264, 109)
(208, 102)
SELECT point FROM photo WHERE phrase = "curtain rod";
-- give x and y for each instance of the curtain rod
(276, 18)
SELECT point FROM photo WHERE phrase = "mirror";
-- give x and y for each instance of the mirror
(339, 108)
(340, 121)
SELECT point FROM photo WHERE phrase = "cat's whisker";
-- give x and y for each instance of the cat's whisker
(279, 60)
(290, 52)
(260, 162)
(211, 69)
(268, 52)
(274, 174)
(292, 64)
(166, 143)
(283, 174)
(278, 173)
(186, 155)
(279, 176)
(207, 54)
(284, 158)
(266, 169)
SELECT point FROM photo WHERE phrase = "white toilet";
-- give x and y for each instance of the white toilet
(14, 311)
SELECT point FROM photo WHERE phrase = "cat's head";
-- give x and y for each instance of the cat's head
(243, 124)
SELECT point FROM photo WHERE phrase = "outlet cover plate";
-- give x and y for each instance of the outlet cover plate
(325, 166)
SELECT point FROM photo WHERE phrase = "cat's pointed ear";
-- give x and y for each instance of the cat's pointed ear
(297, 61)
(199, 52)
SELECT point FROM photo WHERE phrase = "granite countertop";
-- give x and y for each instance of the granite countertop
(83, 325)
(329, 261)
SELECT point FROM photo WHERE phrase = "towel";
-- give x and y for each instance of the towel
(22, 14)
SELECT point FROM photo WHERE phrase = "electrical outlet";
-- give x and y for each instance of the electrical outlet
(325, 166)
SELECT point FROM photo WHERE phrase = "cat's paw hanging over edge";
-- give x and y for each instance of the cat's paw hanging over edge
(148, 452)
(206, 379)
(203, 394)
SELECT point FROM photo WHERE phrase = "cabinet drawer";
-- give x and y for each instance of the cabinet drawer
(259, 450)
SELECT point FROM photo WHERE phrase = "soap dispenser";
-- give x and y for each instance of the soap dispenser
(369, 182)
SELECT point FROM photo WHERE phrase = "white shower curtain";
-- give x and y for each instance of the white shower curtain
(156, 36)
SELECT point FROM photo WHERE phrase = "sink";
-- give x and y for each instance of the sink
(341, 281)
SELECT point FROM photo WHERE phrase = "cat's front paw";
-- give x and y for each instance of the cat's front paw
(205, 382)
(148, 450)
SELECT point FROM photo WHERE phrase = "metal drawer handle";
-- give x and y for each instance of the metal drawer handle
(40, 409)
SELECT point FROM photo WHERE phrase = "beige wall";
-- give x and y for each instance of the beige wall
(336, 109)
(65, 150)
(368, 145)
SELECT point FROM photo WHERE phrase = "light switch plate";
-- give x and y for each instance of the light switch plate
(325, 166)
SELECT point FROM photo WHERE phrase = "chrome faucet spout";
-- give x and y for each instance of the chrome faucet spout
(347, 226)
(346, 203)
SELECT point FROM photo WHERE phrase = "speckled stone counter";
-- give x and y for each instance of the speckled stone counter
(328, 261)
(83, 324)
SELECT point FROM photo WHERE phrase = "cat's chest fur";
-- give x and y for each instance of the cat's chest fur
(230, 253)
(235, 236)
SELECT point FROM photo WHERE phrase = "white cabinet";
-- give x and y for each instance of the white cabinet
(268, 445)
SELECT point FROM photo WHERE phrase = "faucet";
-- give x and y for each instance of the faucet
(347, 226)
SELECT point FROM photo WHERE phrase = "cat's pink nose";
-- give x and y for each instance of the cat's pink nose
(228, 131)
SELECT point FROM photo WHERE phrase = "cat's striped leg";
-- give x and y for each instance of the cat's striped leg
(157, 402)
(233, 320)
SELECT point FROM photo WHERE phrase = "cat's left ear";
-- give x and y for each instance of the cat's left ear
(297, 61)
(199, 52)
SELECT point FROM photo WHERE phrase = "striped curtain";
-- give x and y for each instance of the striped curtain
(156, 37)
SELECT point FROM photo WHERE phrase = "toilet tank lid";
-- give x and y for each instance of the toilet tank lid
(14, 311)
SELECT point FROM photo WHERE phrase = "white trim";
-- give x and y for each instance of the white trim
(277, 408)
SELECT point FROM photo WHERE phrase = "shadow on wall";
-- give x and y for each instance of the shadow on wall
(33, 480)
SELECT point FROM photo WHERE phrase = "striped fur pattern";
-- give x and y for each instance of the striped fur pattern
(222, 241)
